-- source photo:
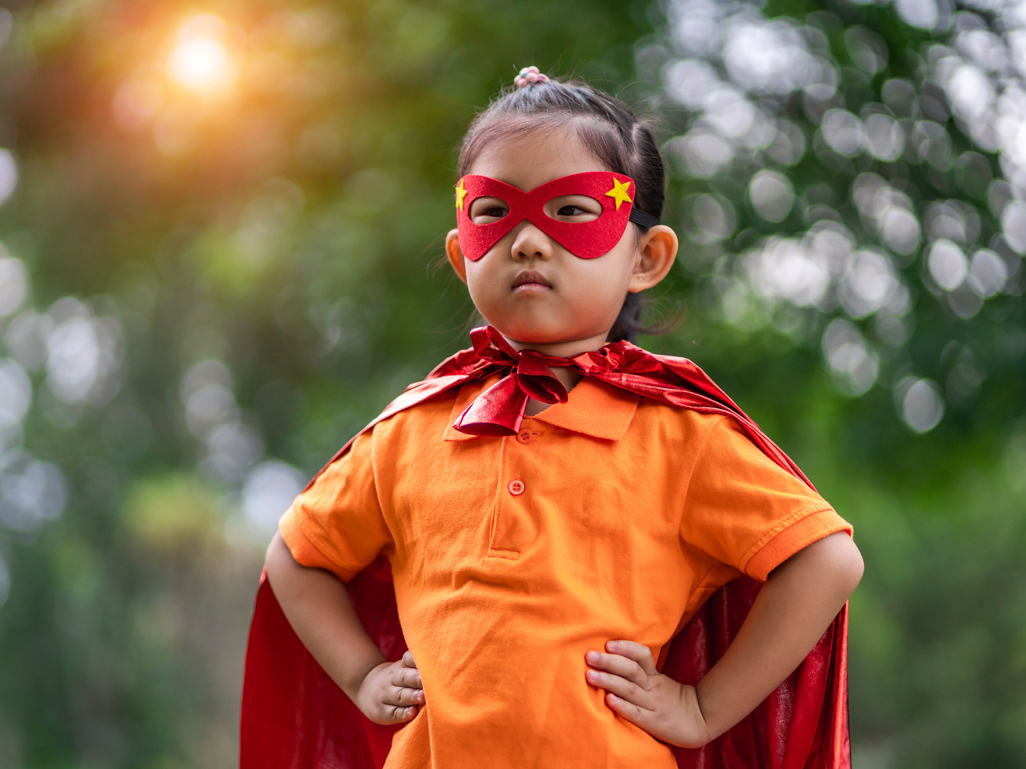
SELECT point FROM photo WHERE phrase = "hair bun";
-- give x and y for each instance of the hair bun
(529, 76)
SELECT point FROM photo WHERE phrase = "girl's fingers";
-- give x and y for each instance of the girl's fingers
(624, 689)
(408, 660)
(617, 665)
(401, 695)
(635, 651)
(628, 710)
(409, 677)
(398, 714)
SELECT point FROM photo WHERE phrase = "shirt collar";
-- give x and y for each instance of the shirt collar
(594, 408)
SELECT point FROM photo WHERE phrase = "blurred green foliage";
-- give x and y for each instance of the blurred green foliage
(231, 262)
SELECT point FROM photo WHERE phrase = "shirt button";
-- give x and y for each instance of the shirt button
(516, 488)
(525, 436)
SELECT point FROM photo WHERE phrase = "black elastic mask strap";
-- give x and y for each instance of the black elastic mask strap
(643, 220)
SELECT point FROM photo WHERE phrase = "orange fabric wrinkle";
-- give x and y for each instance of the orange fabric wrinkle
(631, 513)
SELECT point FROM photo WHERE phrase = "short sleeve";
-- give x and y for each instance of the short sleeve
(337, 523)
(746, 511)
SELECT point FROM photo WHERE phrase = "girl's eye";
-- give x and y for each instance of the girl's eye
(571, 211)
(492, 212)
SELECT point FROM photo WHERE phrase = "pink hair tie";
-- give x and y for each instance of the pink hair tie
(529, 76)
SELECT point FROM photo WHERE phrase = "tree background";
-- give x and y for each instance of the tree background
(221, 228)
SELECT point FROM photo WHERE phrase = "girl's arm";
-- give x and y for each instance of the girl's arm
(791, 612)
(317, 606)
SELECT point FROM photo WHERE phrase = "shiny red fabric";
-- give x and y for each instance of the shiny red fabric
(294, 716)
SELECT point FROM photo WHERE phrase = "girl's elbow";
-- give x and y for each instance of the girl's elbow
(835, 563)
(851, 567)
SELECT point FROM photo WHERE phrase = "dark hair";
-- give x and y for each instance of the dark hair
(606, 126)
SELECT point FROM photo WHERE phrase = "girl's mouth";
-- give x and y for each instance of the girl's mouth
(530, 280)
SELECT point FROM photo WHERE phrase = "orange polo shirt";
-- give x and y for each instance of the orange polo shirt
(609, 516)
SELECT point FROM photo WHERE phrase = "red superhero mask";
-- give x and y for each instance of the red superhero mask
(588, 240)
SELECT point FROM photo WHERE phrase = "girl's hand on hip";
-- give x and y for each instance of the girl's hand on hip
(391, 692)
(667, 710)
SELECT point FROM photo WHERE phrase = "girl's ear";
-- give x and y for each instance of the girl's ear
(658, 249)
(452, 250)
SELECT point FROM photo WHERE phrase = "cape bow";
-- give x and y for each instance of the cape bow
(499, 410)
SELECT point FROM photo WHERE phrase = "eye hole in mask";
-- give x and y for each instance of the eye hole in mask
(585, 213)
(565, 208)
(486, 210)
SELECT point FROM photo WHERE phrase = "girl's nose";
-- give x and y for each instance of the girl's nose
(530, 242)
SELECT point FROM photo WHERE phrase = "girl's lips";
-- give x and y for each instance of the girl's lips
(530, 280)
(530, 288)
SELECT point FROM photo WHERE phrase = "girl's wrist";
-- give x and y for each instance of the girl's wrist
(713, 726)
(358, 675)
(699, 733)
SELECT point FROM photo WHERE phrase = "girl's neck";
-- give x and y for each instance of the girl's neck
(569, 377)
(568, 349)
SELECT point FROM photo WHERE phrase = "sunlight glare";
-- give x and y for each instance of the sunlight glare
(200, 60)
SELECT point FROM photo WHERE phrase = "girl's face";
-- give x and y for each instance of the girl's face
(530, 288)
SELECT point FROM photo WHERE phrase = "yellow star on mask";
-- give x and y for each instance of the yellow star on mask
(619, 192)
(461, 192)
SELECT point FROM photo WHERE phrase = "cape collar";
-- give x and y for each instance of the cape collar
(499, 410)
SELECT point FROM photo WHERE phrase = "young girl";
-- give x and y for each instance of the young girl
(552, 507)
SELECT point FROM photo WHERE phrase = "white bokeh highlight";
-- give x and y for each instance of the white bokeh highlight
(920, 403)
(267, 492)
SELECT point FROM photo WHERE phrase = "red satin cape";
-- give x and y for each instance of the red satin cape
(295, 717)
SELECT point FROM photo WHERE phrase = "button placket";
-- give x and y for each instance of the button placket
(511, 527)
(525, 437)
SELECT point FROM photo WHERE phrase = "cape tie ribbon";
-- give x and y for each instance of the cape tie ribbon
(499, 410)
